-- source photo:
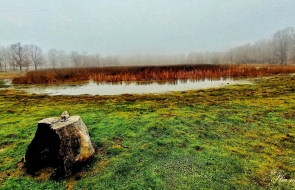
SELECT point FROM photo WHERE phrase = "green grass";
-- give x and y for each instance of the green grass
(237, 137)
(2, 84)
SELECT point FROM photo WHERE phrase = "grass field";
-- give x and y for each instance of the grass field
(236, 137)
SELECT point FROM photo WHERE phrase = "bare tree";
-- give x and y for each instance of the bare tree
(9, 58)
(292, 49)
(215, 58)
(245, 49)
(36, 55)
(111, 61)
(292, 54)
(53, 57)
(97, 60)
(76, 58)
(20, 55)
(230, 56)
(282, 41)
(259, 51)
(85, 59)
(62, 58)
(2, 58)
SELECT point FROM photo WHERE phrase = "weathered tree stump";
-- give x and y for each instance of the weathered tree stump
(59, 142)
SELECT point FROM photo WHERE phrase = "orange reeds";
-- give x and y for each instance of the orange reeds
(151, 73)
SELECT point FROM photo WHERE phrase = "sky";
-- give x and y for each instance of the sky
(127, 27)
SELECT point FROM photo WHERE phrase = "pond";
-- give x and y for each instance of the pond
(93, 88)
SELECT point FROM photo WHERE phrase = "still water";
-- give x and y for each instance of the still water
(93, 88)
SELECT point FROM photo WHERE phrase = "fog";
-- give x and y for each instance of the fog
(131, 27)
(279, 48)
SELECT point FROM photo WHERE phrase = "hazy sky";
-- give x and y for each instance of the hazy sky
(142, 26)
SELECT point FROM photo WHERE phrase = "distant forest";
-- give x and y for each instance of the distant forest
(277, 49)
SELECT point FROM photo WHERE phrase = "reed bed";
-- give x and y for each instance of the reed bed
(150, 73)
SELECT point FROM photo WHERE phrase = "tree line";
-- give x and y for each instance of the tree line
(277, 49)
(21, 57)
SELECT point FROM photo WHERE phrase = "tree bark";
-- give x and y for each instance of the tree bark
(60, 144)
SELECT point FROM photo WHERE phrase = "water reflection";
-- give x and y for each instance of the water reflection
(93, 88)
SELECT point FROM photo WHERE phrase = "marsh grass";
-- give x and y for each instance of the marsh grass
(237, 137)
(151, 73)
(10, 74)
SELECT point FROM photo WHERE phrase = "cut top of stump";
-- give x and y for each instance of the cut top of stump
(56, 122)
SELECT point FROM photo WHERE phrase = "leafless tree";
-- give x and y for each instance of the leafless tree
(36, 55)
(62, 58)
(76, 59)
(85, 59)
(111, 61)
(292, 49)
(9, 58)
(245, 49)
(259, 51)
(52, 56)
(282, 41)
(2, 58)
(230, 56)
(20, 56)
(215, 58)
(96, 60)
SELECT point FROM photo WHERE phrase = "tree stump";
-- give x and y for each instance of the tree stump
(59, 142)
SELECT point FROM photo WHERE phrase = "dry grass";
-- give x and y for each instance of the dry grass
(150, 73)
(10, 74)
